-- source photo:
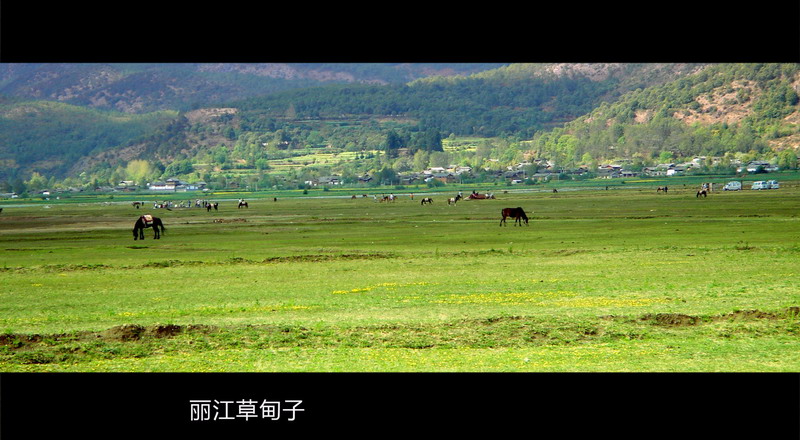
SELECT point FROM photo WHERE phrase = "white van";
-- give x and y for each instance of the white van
(732, 186)
(760, 185)
(773, 184)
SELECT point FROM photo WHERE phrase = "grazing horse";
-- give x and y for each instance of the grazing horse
(210, 205)
(147, 221)
(426, 200)
(517, 213)
(453, 200)
(137, 204)
(243, 203)
(702, 192)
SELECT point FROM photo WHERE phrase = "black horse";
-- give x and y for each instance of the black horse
(702, 192)
(147, 221)
(426, 200)
(243, 203)
(517, 213)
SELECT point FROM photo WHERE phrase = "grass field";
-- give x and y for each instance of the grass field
(624, 279)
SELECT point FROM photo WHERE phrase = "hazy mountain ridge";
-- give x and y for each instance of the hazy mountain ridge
(138, 88)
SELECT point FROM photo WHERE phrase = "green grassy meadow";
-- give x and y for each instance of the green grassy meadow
(625, 279)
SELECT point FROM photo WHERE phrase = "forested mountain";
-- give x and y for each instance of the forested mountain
(515, 100)
(220, 122)
(729, 110)
(139, 88)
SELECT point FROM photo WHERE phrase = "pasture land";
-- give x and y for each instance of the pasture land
(601, 280)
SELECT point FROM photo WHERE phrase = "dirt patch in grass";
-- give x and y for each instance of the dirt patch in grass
(671, 319)
(121, 333)
(565, 252)
(485, 332)
(678, 319)
(177, 263)
(327, 257)
(134, 332)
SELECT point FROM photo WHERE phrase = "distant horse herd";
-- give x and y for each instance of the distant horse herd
(518, 214)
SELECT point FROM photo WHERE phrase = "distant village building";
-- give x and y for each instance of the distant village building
(126, 185)
(677, 170)
(608, 171)
(327, 180)
(443, 177)
(757, 165)
(176, 185)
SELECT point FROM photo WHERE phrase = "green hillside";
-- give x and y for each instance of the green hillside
(564, 116)
(50, 137)
(724, 110)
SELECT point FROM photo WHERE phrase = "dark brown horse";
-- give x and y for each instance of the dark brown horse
(147, 221)
(702, 192)
(517, 213)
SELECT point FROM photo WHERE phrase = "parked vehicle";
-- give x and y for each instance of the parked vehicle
(773, 184)
(761, 184)
(732, 186)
